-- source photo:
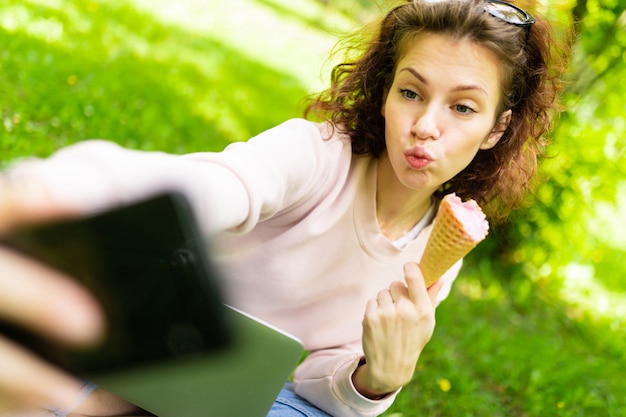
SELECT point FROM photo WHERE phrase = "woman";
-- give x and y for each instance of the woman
(319, 225)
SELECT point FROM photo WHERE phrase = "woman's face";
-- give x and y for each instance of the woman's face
(441, 110)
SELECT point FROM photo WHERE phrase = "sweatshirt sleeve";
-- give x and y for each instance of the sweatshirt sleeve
(95, 175)
(324, 378)
(229, 190)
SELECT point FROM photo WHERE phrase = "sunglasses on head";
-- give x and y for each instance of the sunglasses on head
(508, 12)
(503, 10)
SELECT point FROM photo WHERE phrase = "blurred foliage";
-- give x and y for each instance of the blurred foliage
(585, 164)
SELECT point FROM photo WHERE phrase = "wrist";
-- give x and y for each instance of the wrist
(366, 384)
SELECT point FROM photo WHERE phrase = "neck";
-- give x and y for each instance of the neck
(398, 208)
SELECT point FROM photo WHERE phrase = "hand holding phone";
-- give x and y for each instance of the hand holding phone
(58, 308)
(147, 266)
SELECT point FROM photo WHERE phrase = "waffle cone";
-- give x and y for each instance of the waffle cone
(449, 240)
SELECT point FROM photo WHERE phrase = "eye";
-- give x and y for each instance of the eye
(463, 109)
(409, 94)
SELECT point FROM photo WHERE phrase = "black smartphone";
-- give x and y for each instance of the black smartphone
(149, 267)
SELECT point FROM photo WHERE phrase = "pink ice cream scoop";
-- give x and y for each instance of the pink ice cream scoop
(458, 227)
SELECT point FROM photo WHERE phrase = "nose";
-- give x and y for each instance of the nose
(426, 125)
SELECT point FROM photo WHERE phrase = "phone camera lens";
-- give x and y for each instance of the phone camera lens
(181, 259)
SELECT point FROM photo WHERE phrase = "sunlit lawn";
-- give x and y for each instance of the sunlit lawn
(180, 76)
(194, 75)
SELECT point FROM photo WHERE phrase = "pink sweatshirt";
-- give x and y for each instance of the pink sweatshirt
(293, 216)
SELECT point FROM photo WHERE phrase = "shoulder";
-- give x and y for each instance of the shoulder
(296, 143)
(302, 131)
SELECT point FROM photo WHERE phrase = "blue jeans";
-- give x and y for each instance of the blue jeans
(290, 404)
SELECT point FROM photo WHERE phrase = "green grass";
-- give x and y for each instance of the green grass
(182, 77)
(194, 75)
(514, 351)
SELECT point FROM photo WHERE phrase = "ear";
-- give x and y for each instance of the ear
(382, 107)
(498, 130)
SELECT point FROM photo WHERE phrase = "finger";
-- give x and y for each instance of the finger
(42, 299)
(433, 291)
(27, 203)
(371, 310)
(30, 382)
(415, 283)
(398, 291)
(384, 298)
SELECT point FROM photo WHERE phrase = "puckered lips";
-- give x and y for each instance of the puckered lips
(418, 157)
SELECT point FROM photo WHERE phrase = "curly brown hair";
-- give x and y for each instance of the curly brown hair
(497, 178)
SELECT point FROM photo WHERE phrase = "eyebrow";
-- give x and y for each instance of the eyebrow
(457, 88)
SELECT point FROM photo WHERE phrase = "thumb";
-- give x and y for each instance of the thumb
(26, 202)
